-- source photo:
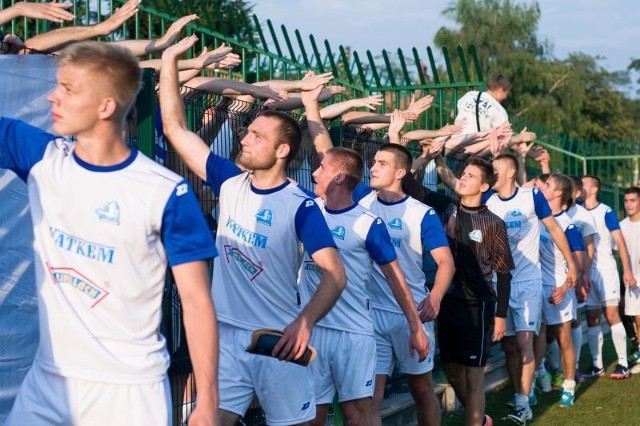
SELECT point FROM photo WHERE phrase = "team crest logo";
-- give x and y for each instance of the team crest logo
(396, 224)
(516, 213)
(338, 232)
(109, 213)
(476, 235)
(264, 217)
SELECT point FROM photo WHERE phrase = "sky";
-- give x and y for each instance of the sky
(609, 29)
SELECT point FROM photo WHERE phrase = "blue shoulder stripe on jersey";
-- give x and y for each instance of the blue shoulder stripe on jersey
(432, 232)
(378, 243)
(21, 146)
(611, 220)
(486, 195)
(576, 243)
(219, 169)
(541, 205)
(361, 191)
(185, 234)
(105, 169)
(312, 228)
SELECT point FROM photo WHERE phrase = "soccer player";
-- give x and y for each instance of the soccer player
(344, 338)
(523, 209)
(605, 293)
(630, 227)
(470, 319)
(413, 227)
(263, 219)
(106, 222)
(558, 296)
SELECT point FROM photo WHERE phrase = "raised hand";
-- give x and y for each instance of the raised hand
(54, 12)
(312, 81)
(175, 50)
(418, 106)
(173, 32)
(431, 148)
(119, 17)
(397, 122)
(371, 102)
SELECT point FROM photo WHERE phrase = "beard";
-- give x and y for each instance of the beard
(252, 163)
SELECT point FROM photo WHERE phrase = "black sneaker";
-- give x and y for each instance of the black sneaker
(593, 371)
(620, 373)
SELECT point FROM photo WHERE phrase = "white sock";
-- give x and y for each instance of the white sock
(594, 335)
(576, 335)
(569, 385)
(619, 337)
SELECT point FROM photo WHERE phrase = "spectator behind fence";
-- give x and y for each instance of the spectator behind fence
(101, 256)
(263, 219)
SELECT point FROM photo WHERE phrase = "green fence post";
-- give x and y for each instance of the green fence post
(145, 109)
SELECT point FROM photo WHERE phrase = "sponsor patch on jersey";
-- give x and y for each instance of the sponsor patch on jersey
(264, 216)
(396, 223)
(91, 293)
(476, 235)
(234, 254)
(339, 232)
(81, 247)
(246, 235)
(109, 213)
(182, 189)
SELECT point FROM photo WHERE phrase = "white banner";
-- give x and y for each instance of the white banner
(25, 82)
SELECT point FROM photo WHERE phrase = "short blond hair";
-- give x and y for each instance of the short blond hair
(117, 64)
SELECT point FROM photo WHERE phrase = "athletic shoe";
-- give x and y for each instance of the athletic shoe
(543, 382)
(556, 380)
(593, 371)
(579, 377)
(633, 358)
(566, 399)
(620, 373)
(518, 416)
(488, 421)
(635, 369)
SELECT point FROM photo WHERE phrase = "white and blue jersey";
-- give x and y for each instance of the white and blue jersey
(102, 240)
(413, 228)
(260, 237)
(606, 221)
(583, 220)
(553, 263)
(362, 239)
(522, 213)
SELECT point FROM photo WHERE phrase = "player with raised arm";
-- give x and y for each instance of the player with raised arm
(263, 220)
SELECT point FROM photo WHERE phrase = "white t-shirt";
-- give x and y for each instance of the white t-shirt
(606, 221)
(413, 227)
(522, 213)
(490, 112)
(362, 238)
(103, 238)
(631, 233)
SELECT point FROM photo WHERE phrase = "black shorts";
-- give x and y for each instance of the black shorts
(465, 331)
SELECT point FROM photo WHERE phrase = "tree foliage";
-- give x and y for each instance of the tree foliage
(575, 95)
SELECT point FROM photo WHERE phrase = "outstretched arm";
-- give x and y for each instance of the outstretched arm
(224, 86)
(59, 38)
(145, 47)
(446, 174)
(319, 134)
(396, 125)
(54, 12)
(193, 150)
(339, 108)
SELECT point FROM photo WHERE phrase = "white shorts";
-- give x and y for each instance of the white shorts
(605, 290)
(345, 364)
(47, 399)
(525, 307)
(632, 301)
(392, 344)
(560, 313)
(284, 389)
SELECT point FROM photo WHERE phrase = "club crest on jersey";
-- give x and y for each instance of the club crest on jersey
(476, 235)
(264, 216)
(109, 213)
(516, 213)
(396, 224)
(91, 293)
(242, 260)
(338, 232)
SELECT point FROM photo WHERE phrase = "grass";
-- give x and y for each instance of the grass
(599, 401)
